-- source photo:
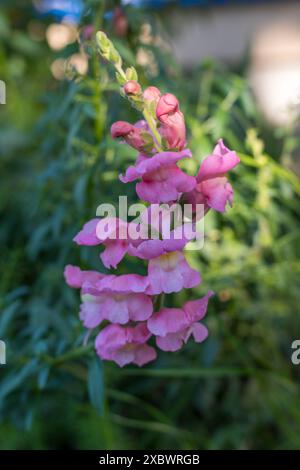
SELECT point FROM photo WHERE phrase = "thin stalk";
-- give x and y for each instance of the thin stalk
(152, 126)
(159, 302)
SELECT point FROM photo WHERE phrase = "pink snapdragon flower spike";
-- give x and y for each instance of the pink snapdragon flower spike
(162, 180)
(174, 326)
(171, 273)
(213, 189)
(172, 121)
(125, 345)
(124, 308)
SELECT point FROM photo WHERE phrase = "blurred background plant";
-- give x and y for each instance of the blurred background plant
(58, 163)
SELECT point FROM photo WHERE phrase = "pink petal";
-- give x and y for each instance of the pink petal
(200, 332)
(163, 281)
(167, 320)
(154, 163)
(114, 252)
(198, 202)
(140, 333)
(147, 249)
(180, 236)
(111, 338)
(217, 164)
(131, 134)
(91, 313)
(164, 185)
(155, 223)
(122, 357)
(144, 354)
(171, 273)
(131, 174)
(87, 236)
(111, 229)
(142, 124)
(191, 277)
(75, 277)
(183, 182)
(173, 130)
(173, 125)
(139, 306)
(151, 94)
(126, 283)
(171, 342)
(158, 217)
(116, 309)
(125, 344)
(156, 191)
(196, 309)
(216, 193)
(167, 104)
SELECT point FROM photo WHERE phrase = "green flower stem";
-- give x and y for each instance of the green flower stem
(69, 356)
(120, 70)
(152, 126)
(159, 302)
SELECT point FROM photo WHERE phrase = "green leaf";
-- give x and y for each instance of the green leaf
(96, 385)
(43, 377)
(16, 378)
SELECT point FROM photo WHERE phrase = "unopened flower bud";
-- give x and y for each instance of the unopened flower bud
(132, 135)
(120, 129)
(167, 105)
(151, 94)
(132, 88)
(172, 121)
(131, 74)
(107, 49)
(103, 42)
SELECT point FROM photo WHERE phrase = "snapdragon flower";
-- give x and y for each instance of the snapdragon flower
(124, 345)
(132, 304)
(213, 188)
(174, 326)
(162, 180)
(112, 233)
(172, 121)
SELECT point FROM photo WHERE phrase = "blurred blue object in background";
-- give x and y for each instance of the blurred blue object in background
(67, 10)
(188, 3)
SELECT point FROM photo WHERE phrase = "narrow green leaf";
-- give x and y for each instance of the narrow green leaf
(96, 385)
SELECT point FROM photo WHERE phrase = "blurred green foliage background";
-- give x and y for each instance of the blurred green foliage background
(238, 390)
